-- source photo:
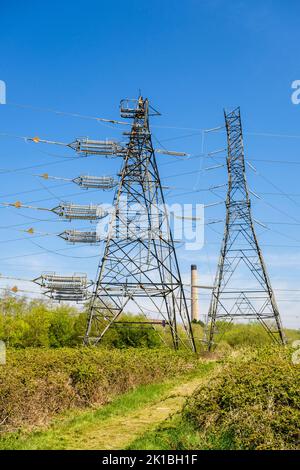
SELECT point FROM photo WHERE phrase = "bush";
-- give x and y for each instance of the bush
(238, 335)
(252, 334)
(251, 403)
(134, 336)
(61, 330)
(36, 384)
(38, 321)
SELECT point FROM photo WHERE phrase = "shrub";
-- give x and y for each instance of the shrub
(38, 321)
(62, 328)
(252, 334)
(251, 403)
(134, 336)
(35, 384)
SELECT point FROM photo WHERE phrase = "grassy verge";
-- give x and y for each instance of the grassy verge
(173, 434)
(176, 433)
(252, 402)
(73, 429)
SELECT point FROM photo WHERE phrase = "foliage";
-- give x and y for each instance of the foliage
(252, 402)
(25, 323)
(37, 323)
(251, 334)
(134, 336)
(36, 383)
(237, 335)
(61, 330)
(74, 429)
(249, 402)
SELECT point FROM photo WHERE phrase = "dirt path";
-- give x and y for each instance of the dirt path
(118, 432)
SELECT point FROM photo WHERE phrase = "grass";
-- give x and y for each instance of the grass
(176, 433)
(173, 434)
(75, 429)
(250, 403)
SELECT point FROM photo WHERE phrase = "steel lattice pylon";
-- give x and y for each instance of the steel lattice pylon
(139, 268)
(240, 253)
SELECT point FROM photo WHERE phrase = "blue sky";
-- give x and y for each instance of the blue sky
(191, 59)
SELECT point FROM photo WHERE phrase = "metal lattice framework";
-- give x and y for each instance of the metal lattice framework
(240, 254)
(139, 270)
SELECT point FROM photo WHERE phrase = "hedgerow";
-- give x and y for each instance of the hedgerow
(253, 402)
(36, 384)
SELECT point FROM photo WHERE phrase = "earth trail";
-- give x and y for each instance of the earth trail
(118, 432)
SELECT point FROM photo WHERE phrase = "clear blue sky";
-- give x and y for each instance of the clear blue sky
(191, 59)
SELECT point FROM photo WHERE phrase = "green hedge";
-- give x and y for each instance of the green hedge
(253, 402)
(36, 384)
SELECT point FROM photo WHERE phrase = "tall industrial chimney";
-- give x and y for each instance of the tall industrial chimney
(194, 293)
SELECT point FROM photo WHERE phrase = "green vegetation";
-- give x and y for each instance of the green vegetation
(247, 334)
(36, 384)
(172, 434)
(25, 323)
(251, 334)
(252, 402)
(103, 426)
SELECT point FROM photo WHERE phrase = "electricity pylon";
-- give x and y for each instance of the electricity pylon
(139, 270)
(240, 254)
